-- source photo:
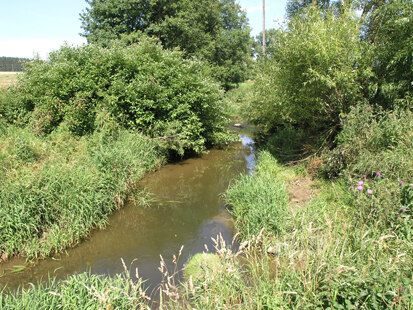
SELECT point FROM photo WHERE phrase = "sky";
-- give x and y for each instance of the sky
(29, 28)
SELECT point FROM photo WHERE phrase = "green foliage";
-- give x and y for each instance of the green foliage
(371, 143)
(325, 255)
(140, 86)
(390, 26)
(83, 291)
(296, 7)
(57, 188)
(271, 43)
(213, 30)
(258, 201)
(316, 74)
(238, 99)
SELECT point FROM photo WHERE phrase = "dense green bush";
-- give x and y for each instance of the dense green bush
(317, 72)
(142, 87)
(213, 30)
(390, 28)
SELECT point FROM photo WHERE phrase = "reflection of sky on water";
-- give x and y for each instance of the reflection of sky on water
(250, 158)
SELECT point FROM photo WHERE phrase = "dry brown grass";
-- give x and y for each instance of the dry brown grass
(7, 78)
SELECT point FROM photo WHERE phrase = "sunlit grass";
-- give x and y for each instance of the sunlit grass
(55, 189)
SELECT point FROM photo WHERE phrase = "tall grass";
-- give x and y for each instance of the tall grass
(259, 201)
(55, 189)
(83, 291)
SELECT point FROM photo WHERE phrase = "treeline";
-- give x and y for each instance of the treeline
(12, 63)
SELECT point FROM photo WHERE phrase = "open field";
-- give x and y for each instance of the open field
(7, 78)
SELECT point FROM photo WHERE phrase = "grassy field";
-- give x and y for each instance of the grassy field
(7, 78)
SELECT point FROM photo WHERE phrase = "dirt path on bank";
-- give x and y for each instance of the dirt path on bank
(301, 192)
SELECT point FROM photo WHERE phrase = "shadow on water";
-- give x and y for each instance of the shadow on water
(186, 208)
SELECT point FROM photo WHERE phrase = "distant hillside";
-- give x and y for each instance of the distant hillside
(12, 63)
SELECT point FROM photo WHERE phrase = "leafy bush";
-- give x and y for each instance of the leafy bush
(317, 72)
(373, 141)
(214, 30)
(141, 86)
(389, 29)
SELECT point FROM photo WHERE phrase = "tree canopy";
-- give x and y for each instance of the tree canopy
(213, 30)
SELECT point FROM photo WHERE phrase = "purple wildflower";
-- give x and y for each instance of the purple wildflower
(360, 188)
(369, 191)
(401, 182)
(364, 176)
(361, 182)
(403, 209)
(378, 173)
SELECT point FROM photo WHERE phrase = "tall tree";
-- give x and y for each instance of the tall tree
(214, 30)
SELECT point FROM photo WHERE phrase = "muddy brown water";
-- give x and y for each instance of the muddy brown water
(186, 209)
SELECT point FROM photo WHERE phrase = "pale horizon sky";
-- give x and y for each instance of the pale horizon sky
(29, 28)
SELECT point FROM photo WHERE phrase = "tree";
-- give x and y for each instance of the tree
(141, 87)
(317, 73)
(389, 31)
(295, 7)
(213, 30)
(272, 38)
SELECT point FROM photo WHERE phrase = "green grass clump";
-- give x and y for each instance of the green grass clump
(259, 201)
(55, 189)
(83, 291)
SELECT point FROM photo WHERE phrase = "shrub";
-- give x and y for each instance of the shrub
(317, 72)
(142, 87)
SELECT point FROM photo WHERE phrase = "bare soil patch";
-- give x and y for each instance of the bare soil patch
(301, 191)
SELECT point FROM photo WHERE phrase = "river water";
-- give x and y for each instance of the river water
(186, 208)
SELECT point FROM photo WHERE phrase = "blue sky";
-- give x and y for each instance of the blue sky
(29, 27)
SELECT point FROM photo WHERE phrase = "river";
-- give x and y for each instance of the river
(185, 208)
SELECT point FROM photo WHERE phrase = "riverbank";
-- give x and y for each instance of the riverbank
(347, 245)
(57, 188)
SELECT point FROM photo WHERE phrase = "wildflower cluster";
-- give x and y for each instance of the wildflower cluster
(362, 184)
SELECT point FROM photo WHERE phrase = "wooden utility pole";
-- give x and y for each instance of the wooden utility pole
(263, 27)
